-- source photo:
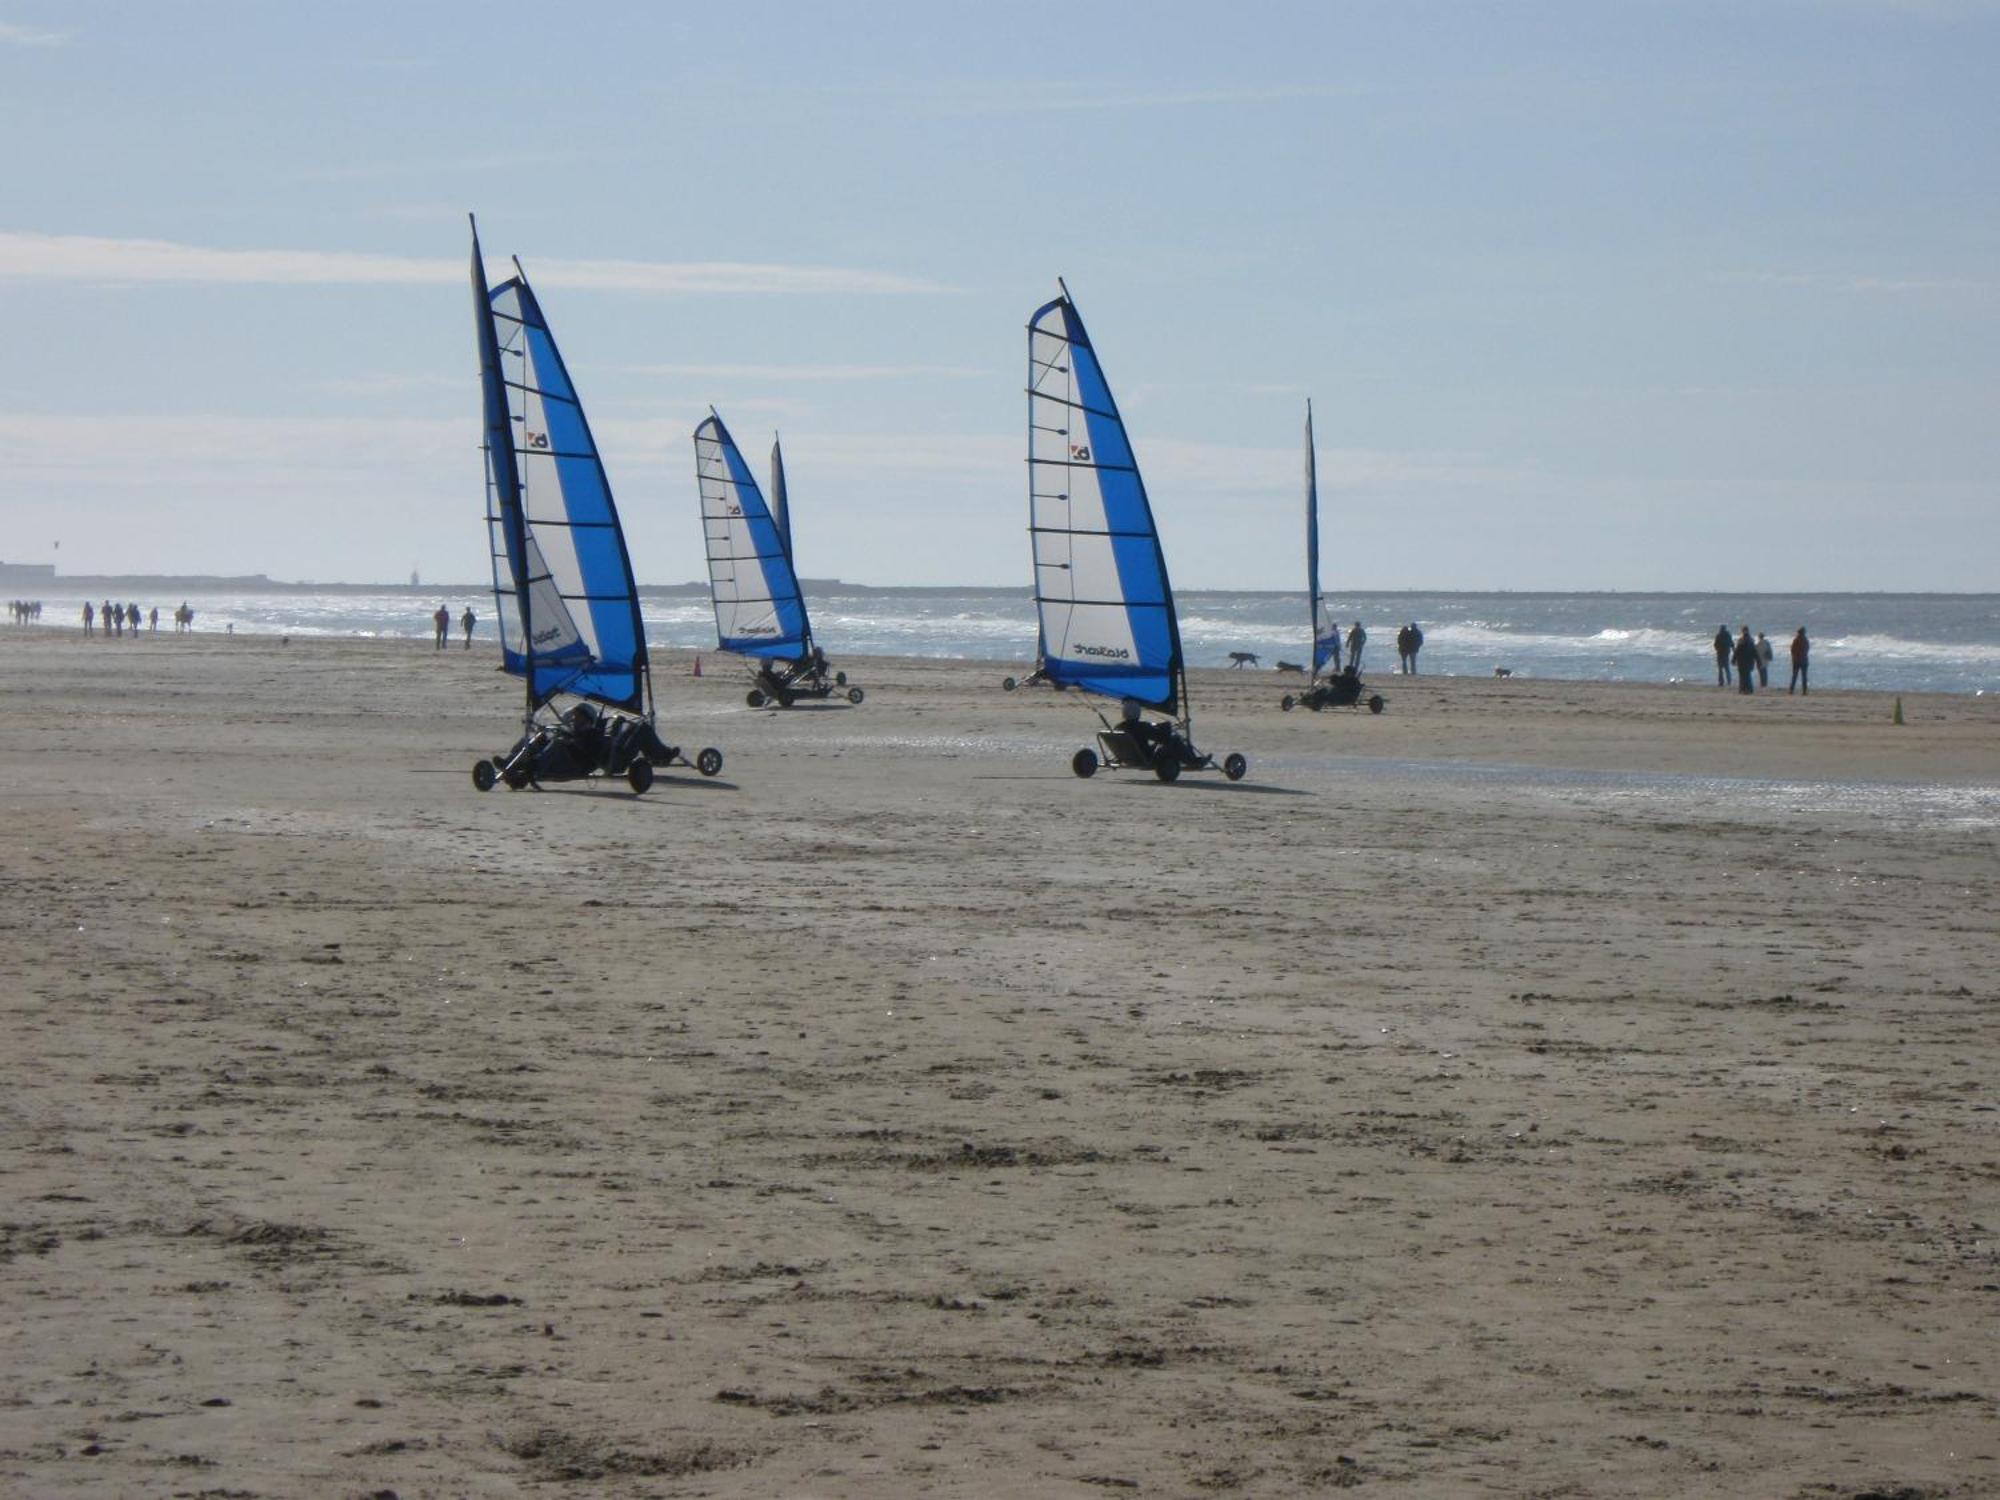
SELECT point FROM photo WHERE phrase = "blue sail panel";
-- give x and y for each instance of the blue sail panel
(1105, 608)
(759, 610)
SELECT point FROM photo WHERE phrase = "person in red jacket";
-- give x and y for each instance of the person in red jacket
(1801, 649)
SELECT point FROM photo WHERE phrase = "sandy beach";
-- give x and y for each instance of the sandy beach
(1541, 1089)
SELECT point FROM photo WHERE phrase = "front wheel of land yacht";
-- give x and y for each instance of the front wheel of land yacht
(709, 762)
(1084, 763)
(1008, 684)
(1286, 702)
(1234, 766)
(639, 776)
(754, 698)
(854, 695)
(1375, 704)
(483, 775)
(1168, 766)
(515, 779)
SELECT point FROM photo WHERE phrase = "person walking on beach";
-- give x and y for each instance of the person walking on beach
(113, 624)
(1764, 655)
(89, 617)
(1403, 650)
(1722, 650)
(442, 619)
(153, 619)
(1746, 661)
(1801, 649)
(1416, 645)
(132, 618)
(1356, 639)
(468, 620)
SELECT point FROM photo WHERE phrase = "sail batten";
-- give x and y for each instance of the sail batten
(1104, 607)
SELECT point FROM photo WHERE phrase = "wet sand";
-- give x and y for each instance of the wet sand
(1539, 1089)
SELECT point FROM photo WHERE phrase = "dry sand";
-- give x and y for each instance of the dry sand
(1541, 1089)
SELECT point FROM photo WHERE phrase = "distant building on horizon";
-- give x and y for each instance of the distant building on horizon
(26, 573)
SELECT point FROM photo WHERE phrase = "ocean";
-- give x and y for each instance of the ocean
(1906, 643)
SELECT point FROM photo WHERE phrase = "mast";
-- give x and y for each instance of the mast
(1312, 543)
(502, 471)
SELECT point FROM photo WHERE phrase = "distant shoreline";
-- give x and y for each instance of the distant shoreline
(168, 583)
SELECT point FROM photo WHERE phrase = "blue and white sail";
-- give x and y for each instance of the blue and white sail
(781, 509)
(569, 610)
(759, 610)
(1105, 608)
(1326, 634)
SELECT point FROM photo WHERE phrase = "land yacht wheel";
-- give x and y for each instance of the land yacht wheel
(1234, 766)
(709, 762)
(854, 695)
(840, 679)
(1376, 705)
(639, 776)
(1168, 766)
(1008, 685)
(484, 776)
(1084, 763)
(754, 698)
(1286, 702)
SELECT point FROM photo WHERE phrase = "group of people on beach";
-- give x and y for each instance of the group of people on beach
(123, 619)
(1753, 659)
(1409, 641)
(441, 622)
(24, 611)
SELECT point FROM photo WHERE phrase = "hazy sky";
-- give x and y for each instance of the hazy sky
(1610, 294)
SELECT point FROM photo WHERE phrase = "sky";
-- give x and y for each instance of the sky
(1604, 295)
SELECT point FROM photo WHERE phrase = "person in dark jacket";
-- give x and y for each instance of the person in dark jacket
(1723, 647)
(1801, 649)
(1746, 662)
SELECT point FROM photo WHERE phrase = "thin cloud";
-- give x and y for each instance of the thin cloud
(387, 385)
(784, 373)
(498, 161)
(28, 36)
(1835, 281)
(1065, 97)
(103, 261)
